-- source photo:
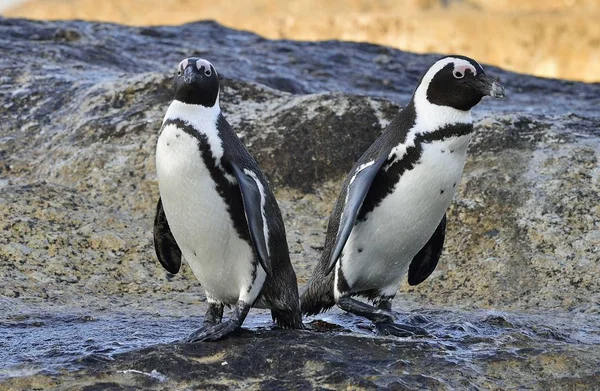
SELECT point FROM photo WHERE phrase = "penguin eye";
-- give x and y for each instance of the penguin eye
(178, 71)
(208, 72)
(458, 74)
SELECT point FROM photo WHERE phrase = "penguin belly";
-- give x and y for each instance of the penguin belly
(200, 222)
(380, 249)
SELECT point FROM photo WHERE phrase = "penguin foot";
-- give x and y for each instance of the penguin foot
(213, 332)
(400, 330)
(365, 310)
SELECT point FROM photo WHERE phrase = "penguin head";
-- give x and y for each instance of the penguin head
(196, 82)
(457, 82)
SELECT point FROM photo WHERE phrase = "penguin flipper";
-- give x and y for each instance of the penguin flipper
(424, 263)
(166, 247)
(253, 196)
(358, 187)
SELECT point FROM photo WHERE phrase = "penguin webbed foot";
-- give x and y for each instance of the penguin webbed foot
(381, 316)
(399, 330)
(214, 332)
(210, 332)
(365, 310)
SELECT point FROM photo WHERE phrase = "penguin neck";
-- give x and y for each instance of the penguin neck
(423, 122)
(430, 117)
(202, 118)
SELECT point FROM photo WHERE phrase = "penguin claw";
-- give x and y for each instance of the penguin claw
(212, 333)
(400, 330)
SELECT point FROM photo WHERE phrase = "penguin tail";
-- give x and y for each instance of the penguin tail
(318, 293)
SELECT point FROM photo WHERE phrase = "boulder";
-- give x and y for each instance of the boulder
(81, 105)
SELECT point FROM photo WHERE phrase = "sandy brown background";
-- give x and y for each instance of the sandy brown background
(554, 38)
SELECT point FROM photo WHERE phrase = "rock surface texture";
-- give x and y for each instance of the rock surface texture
(514, 301)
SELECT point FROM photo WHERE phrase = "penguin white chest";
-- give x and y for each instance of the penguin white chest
(379, 250)
(199, 218)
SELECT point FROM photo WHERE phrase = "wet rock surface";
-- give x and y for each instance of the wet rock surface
(466, 350)
(81, 105)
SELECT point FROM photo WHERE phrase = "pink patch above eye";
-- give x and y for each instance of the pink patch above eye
(461, 70)
(183, 64)
(203, 63)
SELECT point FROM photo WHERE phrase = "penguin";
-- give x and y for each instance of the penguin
(390, 217)
(217, 212)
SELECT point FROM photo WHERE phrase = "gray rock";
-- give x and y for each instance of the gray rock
(474, 351)
(81, 105)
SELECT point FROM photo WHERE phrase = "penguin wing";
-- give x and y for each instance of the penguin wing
(254, 199)
(166, 247)
(358, 187)
(424, 263)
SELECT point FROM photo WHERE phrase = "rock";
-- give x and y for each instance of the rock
(81, 106)
(310, 359)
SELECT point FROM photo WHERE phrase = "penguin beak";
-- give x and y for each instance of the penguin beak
(190, 74)
(488, 86)
(497, 90)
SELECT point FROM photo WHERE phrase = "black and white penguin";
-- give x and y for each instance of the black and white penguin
(217, 212)
(390, 217)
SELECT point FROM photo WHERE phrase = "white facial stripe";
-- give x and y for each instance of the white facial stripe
(200, 63)
(431, 116)
(203, 63)
(263, 201)
(463, 68)
(438, 66)
(183, 64)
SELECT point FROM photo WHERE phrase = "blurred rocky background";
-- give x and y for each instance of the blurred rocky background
(549, 38)
(514, 302)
